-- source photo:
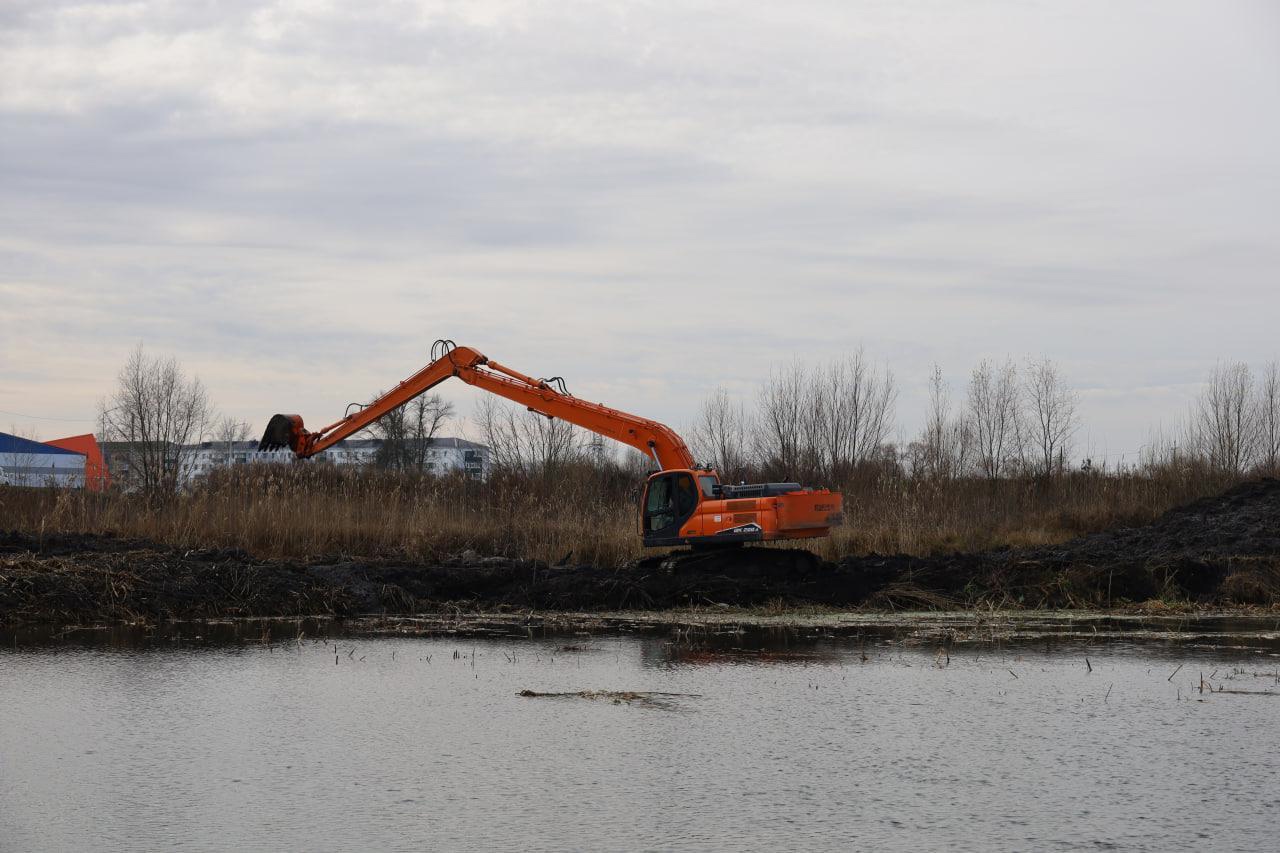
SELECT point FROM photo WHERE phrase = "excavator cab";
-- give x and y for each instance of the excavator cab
(691, 507)
(670, 501)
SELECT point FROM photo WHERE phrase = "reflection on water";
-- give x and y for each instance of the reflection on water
(923, 734)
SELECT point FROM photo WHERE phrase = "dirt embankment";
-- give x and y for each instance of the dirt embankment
(1223, 550)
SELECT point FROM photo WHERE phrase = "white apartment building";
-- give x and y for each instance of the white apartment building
(444, 455)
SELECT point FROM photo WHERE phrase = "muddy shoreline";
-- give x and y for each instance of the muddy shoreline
(1220, 552)
(703, 634)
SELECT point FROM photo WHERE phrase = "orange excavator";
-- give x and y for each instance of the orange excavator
(684, 503)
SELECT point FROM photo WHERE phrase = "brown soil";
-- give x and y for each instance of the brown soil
(1223, 550)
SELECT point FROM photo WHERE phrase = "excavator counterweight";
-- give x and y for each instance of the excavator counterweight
(683, 503)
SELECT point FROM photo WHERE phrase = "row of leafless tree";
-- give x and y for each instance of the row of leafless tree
(820, 423)
(1014, 420)
(825, 423)
(521, 440)
(1233, 427)
(815, 422)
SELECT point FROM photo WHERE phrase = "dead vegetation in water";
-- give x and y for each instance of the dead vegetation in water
(647, 698)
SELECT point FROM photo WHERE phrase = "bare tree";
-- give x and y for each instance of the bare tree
(1225, 419)
(1052, 419)
(1167, 450)
(824, 422)
(779, 425)
(930, 449)
(721, 433)
(227, 432)
(426, 415)
(815, 415)
(392, 430)
(552, 442)
(407, 432)
(525, 440)
(635, 464)
(944, 448)
(853, 406)
(1268, 419)
(498, 429)
(993, 408)
(150, 421)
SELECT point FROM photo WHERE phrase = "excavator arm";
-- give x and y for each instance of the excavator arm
(545, 396)
(683, 504)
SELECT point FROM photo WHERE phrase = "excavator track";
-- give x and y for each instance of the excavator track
(739, 562)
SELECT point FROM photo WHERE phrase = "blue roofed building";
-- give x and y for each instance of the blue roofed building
(24, 462)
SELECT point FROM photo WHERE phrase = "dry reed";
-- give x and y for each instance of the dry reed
(581, 513)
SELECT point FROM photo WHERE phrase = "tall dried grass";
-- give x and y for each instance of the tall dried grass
(301, 511)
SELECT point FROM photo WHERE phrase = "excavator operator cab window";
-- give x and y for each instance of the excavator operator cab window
(669, 502)
(710, 485)
(659, 509)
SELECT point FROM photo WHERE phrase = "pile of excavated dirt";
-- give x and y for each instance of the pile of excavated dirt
(1223, 550)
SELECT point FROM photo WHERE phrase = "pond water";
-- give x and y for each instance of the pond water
(206, 737)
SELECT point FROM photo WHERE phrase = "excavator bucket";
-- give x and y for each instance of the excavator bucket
(282, 431)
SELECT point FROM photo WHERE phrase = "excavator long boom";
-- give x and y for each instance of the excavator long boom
(683, 504)
(545, 396)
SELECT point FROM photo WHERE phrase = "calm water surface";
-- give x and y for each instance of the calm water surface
(188, 741)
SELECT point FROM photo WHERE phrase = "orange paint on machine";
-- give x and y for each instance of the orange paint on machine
(684, 503)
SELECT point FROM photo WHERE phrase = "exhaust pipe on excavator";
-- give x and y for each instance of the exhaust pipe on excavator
(282, 431)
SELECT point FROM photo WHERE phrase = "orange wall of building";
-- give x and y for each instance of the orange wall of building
(96, 476)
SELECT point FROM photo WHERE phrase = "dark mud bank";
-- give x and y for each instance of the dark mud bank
(1220, 551)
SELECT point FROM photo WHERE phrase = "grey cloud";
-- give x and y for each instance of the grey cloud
(360, 179)
(618, 192)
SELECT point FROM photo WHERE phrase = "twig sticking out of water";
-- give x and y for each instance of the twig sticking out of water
(1175, 672)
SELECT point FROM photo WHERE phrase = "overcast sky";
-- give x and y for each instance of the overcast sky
(650, 199)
